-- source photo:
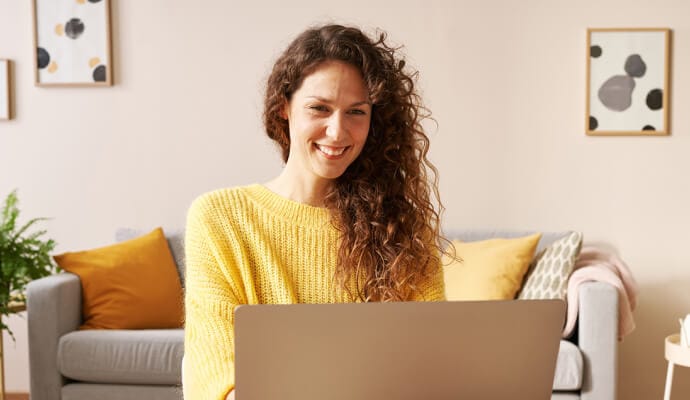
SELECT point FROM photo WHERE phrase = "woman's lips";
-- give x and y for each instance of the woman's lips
(331, 152)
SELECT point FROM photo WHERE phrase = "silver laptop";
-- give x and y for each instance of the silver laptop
(447, 350)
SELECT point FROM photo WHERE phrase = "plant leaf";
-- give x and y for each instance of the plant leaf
(24, 256)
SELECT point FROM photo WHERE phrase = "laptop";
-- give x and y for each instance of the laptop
(412, 350)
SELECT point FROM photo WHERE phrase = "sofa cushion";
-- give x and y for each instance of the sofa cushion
(565, 396)
(569, 367)
(155, 357)
(151, 356)
(91, 391)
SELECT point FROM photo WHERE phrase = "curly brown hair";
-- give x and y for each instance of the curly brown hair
(383, 205)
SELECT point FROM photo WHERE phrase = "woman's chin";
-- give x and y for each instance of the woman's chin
(330, 173)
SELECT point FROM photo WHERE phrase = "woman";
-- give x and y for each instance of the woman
(351, 217)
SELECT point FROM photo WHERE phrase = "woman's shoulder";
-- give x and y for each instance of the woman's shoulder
(221, 194)
(222, 200)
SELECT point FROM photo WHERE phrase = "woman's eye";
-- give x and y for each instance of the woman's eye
(358, 112)
(318, 108)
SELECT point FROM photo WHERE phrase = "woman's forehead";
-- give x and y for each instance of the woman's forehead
(334, 79)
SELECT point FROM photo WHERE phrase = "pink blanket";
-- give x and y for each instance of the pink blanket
(594, 264)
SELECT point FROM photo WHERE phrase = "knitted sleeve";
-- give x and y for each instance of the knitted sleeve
(210, 301)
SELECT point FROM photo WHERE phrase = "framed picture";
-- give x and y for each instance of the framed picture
(5, 95)
(72, 42)
(628, 81)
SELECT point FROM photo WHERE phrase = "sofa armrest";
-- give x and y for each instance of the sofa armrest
(53, 309)
(598, 340)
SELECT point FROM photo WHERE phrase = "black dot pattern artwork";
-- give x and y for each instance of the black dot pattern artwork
(43, 58)
(593, 123)
(616, 92)
(74, 28)
(99, 74)
(635, 67)
(627, 71)
(595, 51)
(655, 99)
(72, 42)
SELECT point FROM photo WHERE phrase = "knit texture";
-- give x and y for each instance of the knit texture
(248, 245)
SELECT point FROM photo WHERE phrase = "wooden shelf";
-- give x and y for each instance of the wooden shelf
(16, 306)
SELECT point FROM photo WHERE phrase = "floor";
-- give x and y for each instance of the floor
(16, 396)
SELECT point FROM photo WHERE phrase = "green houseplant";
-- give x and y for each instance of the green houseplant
(24, 256)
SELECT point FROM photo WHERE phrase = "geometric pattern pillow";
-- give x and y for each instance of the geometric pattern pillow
(548, 275)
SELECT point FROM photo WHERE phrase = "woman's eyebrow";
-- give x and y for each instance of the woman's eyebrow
(325, 100)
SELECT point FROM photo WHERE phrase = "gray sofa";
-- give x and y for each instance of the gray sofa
(587, 365)
(67, 364)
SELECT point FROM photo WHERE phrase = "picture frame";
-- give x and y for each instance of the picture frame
(628, 81)
(72, 42)
(5, 90)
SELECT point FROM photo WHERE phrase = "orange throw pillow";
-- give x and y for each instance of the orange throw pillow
(129, 285)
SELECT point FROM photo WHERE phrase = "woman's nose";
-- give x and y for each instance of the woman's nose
(336, 126)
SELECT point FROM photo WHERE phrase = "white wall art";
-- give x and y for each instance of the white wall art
(627, 81)
(72, 41)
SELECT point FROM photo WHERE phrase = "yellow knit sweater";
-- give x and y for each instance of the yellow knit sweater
(249, 245)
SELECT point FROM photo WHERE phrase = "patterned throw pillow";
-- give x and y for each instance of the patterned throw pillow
(548, 275)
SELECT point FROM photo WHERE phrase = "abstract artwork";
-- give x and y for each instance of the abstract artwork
(627, 81)
(72, 42)
(5, 111)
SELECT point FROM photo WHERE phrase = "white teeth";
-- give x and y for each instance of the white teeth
(331, 151)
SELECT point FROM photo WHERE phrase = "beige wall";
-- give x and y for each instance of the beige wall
(505, 80)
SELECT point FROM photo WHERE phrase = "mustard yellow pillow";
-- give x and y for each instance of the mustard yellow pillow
(489, 269)
(129, 285)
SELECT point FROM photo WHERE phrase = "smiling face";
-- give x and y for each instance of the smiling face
(328, 118)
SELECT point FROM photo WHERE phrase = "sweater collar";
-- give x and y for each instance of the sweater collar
(290, 210)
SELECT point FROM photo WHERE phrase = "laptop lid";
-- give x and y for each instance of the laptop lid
(413, 350)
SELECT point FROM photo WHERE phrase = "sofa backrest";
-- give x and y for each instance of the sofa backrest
(547, 238)
(176, 240)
